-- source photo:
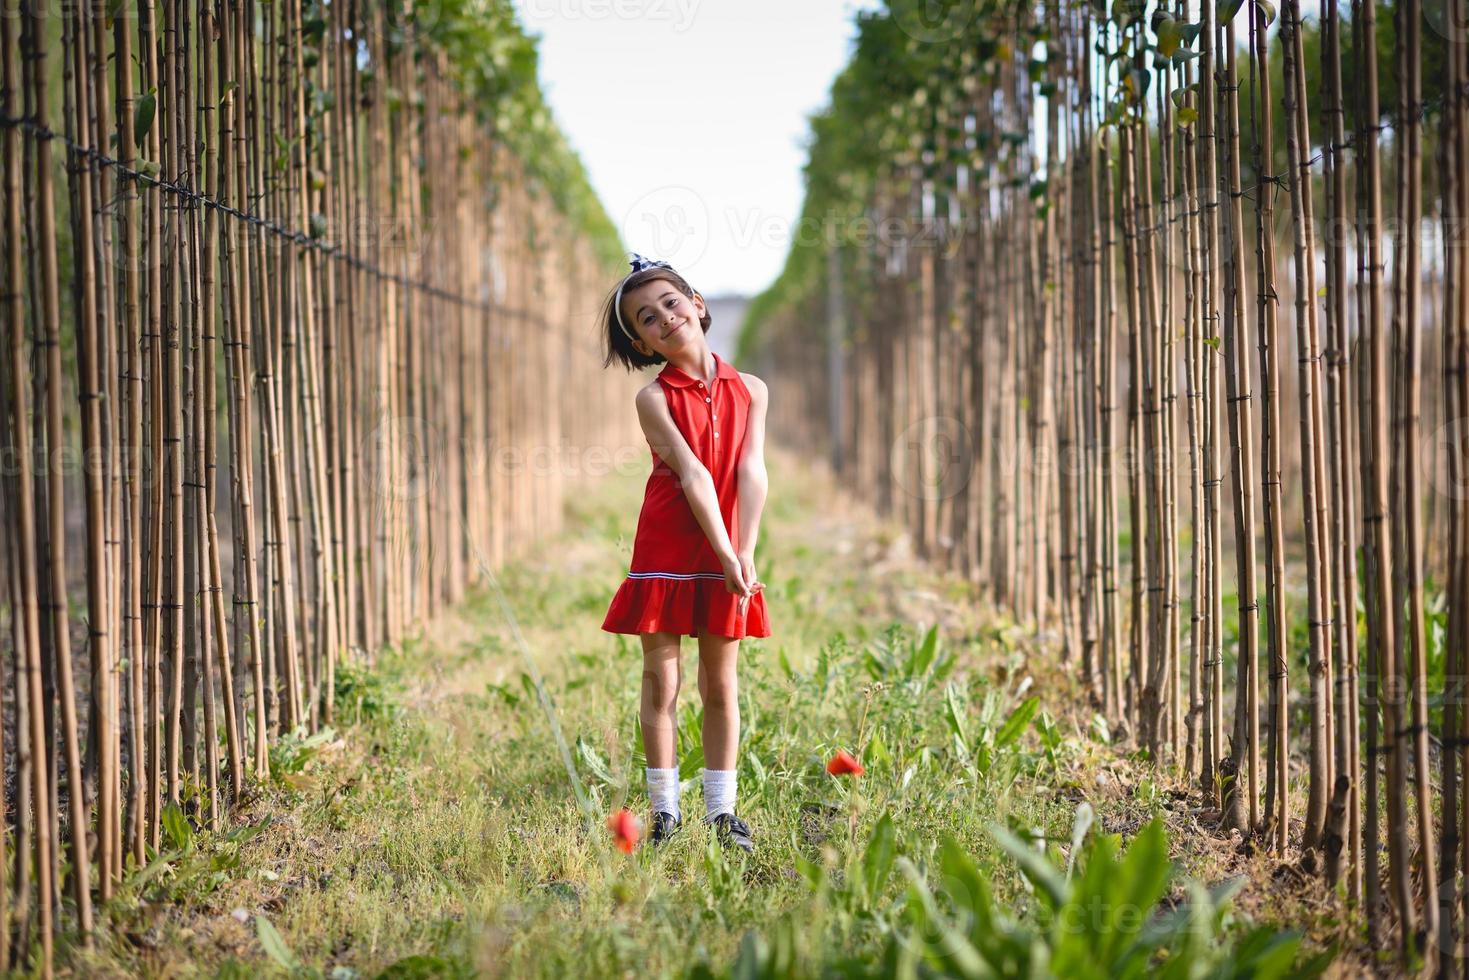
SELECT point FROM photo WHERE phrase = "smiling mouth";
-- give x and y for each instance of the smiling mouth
(673, 331)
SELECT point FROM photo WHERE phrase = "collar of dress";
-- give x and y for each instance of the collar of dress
(679, 379)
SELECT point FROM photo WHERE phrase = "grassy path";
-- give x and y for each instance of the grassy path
(439, 835)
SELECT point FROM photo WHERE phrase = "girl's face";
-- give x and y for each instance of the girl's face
(664, 319)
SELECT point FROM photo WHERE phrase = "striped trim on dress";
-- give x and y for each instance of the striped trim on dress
(677, 575)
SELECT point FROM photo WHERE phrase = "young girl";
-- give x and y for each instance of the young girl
(693, 569)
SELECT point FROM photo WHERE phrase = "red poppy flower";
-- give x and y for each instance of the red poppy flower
(624, 827)
(842, 764)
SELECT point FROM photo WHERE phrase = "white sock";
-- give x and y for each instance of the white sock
(663, 790)
(719, 791)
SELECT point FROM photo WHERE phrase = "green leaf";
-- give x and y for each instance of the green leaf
(1170, 35)
(510, 698)
(923, 655)
(1080, 824)
(1267, 11)
(1014, 726)
(984, 756)
(1227, 10)
(593, 761)
(954, 953)
(154, 868)
(954, 712)
(143, 112)
(1034, 865)
(275, 946)
(756, 766)
(785, 664)
(1202, 903)
(1145, 868)
(1136, 84)
(1124, 12)
(876, 751)
(1187, 116)
(877, 861)
(969, 890)
(176, 826)
(249, 831)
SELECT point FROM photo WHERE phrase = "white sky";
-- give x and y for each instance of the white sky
(690, 117)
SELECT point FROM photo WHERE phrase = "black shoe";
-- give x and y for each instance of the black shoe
(733, 831)
(665, 825)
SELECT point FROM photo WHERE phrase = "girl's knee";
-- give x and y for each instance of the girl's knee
(719, 691)
(661, 682)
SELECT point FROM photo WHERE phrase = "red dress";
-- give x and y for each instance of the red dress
(674, 583)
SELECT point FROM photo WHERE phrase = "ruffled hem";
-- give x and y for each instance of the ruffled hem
(686, 607)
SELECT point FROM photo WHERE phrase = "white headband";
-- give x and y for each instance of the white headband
(639, 263)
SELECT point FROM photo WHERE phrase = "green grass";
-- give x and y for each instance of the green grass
(440, 834)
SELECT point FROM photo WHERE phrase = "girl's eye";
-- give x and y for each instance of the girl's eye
(649, 319)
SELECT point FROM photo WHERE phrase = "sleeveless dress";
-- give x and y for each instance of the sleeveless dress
(674, 583)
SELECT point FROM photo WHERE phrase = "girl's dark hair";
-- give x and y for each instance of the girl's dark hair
(618, 347)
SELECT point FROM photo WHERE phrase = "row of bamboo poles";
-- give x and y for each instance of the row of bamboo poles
(1192, 404)
(280, 308)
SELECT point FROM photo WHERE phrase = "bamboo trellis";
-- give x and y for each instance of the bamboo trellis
(1095, 317)
(261, 396)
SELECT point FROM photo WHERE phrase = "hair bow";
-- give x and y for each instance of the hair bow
(638, 263)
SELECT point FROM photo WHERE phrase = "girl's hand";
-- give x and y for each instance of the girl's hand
(747, 566)
(734, 575)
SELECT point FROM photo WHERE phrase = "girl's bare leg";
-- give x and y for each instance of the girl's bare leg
(662, 677)
(720, 692)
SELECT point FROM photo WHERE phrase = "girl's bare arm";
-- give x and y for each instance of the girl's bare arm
(698, 485)
(754, 482)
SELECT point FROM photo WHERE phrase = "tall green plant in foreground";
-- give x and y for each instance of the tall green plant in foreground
(1094, 911)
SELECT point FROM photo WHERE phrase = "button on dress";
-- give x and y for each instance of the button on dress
(674, 582)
